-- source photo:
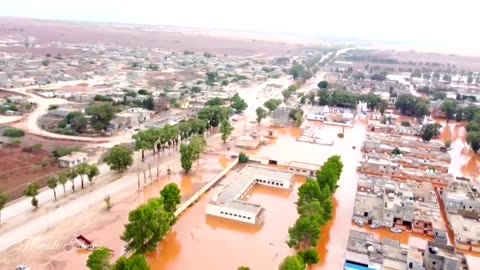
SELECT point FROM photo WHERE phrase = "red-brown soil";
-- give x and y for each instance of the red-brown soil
(18, 168)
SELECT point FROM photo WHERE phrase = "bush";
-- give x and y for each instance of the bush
(448, 143)
(37, 147)
(13, 133)
(340, 135)
(63, 151)
(52, 107)
(16, 142)
(103, 98)
(406, 124)
(243, 158)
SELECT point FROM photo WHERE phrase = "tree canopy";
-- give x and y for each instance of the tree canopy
(119, 158)
(292, 263)
(412, 106)
(171, 197)
(99, 259)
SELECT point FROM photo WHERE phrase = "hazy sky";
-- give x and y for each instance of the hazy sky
(444, 22)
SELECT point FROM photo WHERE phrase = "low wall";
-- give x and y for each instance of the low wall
(199, 193)
(337, 124)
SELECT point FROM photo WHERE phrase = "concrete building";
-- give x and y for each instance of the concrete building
(72, 160)
(228, 203)
(64, 111)
(462, 205)
(395, 129)
(364, 252)
(443, 257)
(280, 117)
(302, 168)
(248, 141)
(410, 162)
(377, 166)
(407, 206)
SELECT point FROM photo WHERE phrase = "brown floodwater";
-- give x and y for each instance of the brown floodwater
(107, 232)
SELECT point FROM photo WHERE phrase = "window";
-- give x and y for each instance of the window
(221, 212)
(235, 214)
(281, 184)
(268, 182)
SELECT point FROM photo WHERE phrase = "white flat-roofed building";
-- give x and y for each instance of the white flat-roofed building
(302, 168)
(228, 203)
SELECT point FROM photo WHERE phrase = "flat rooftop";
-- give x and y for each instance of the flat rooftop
(464, 228)
(228, 196)
(303, 165)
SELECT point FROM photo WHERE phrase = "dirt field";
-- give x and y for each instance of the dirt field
(471, 63)
(157, 37)
(17, 168)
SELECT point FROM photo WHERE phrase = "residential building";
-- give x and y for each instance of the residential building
(364, 252)
(64, 111)
(280, 117)
(302, 168)
(72, 160)
(407, 206)
(461, 200)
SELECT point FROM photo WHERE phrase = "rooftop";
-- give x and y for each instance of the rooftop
(228, 197)
(73, 156)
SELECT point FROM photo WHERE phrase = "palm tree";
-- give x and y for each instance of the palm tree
(72, 174)
(63, 179)
(52, 183)
(82, 169)
(32, 191)
(92, 172)
(3, 202)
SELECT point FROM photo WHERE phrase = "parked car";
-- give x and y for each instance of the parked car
(395, 230)
(359, 223)
(375, 226)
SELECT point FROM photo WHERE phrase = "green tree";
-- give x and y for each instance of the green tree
(186, 158)
(82, 169)
(72, 174)
(239, 104)
(119, 158)
(3, 202)
(449, 107)
(312, 210)
(32, 191)
(261, 114)
(286, 94)
(406, 124)
(143, 92)
(323, 84)
(136, 262)
(430, 131)
(383, 106)
(215, 102)
(243, 158)
(308, 192)
(62, 180)
(396, 151)
(226, 130)
(292, 263)
(92, 173)
(101, 115)
(272, 104)
(304, 234)
(328, 208)
(243, 268)
(309, 256)
(99, 259)
(473, 138)
(325, 193)
(52, 183)
(142, 142)
(147, 225)
(171, 197)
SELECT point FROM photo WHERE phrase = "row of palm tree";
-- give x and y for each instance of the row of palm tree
(158, 139)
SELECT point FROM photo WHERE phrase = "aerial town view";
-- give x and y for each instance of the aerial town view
(130, 145)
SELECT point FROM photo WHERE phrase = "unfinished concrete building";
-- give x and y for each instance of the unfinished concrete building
(462, 205)
(407, 206)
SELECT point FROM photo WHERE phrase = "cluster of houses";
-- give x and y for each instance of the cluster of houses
(404, 186)
(364, 252)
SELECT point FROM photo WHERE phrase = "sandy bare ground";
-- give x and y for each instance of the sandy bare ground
(169, 39)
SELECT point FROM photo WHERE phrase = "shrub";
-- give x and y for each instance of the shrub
(52, 107)
(63, 151)
(13, 133)
(448, 143)
(406, 124)
(37, 147)
(243, 158)
(16, 142)
(340, 135)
